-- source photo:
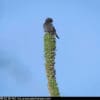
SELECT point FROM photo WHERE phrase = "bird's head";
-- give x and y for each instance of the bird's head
(49, 20)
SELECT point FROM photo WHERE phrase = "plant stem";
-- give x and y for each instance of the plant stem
(49, 49)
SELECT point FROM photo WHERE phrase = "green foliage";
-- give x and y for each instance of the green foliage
(49, 49)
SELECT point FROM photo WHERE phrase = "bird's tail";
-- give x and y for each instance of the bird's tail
(57, 36)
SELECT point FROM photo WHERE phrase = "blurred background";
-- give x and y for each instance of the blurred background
(22, 70)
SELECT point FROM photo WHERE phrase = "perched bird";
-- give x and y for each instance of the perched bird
(48, 27)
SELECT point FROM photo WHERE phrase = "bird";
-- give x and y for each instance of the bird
(48, 27)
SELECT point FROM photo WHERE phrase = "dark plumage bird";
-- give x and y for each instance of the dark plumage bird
(48, 27)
